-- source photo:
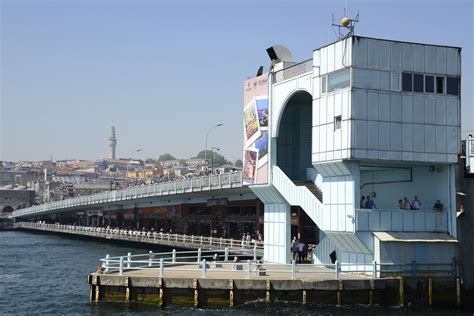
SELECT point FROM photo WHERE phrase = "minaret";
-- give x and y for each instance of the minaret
(112, 143)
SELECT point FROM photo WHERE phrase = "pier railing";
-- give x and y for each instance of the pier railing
(199, 263)
(151, 237)
(197, 184)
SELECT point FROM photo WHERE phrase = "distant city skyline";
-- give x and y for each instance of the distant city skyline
(163, 72)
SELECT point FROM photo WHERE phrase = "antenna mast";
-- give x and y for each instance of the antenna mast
(346, 27)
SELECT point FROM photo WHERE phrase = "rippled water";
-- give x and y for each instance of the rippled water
(47, 274)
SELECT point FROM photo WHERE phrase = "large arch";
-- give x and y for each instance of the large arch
(294, 140)
(8, 209)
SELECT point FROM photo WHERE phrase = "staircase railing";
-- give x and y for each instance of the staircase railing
(298, 195)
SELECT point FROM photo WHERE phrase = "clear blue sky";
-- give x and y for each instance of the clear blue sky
(165, 71)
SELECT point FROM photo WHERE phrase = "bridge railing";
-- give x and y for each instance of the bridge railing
(151, 237)
(198, 184)
(199, 263)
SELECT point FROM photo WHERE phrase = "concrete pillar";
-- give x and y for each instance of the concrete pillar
(277, 233)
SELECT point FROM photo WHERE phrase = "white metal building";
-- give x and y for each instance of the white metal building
(366, 117)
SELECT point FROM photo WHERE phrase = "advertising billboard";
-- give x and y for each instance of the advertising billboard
(255, 151)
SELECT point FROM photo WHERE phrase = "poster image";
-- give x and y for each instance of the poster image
(262, 109)
(262, 145)
(250, 165)
(252, 126)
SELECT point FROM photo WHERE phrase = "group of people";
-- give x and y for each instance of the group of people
(367, 202)
(405, 204)
(299, 251)
(247, 239)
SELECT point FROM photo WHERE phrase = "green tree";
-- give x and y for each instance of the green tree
(166, 157)
(218, 159)
(238, 163)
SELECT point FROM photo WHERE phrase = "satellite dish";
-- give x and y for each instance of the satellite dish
(280, 53)
(259, 71)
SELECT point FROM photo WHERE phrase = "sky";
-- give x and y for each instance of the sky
(164, 72)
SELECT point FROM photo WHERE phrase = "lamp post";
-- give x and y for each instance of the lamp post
(128, 162)
(212, 158)
(205, 151)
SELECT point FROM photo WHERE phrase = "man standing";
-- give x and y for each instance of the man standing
(294, 248)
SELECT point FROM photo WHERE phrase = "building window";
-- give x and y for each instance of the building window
(417, 82)
(323, 84)
(407, 82)
(452, 86)
(429, 84)
(337, 122)
(338, 80)
(440, 85)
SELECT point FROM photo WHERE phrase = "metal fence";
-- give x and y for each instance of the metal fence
(150, 237)
(198, 184)
(202, 262)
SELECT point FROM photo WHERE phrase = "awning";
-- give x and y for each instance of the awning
(414, 237)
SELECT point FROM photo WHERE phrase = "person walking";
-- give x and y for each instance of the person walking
(294, 249)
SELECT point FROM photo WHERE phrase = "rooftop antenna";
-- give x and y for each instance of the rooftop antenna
(345, 28)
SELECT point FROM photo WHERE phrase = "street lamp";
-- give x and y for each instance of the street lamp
(212, 158)
(128, 162)
(205, 151)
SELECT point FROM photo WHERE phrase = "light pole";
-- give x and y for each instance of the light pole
(128, 162)
(212, 158)
(205, 151)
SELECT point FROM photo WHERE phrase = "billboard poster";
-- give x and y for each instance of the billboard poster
(255, 151)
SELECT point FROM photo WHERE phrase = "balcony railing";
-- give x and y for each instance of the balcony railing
(400, 220)
(199, 184)
(293, 71)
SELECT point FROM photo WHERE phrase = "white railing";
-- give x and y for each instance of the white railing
(294, 70)
(298, 195)
(198, 184)
(150, 237)
(199, 263)
(400, 220)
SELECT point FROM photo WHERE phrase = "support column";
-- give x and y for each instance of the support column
(277, 233)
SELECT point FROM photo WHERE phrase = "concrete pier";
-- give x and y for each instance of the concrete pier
(229, 289)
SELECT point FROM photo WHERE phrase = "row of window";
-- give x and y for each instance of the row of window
(410, 82)
(414, 82)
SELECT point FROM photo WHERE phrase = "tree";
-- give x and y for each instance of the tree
(238, 163)
(166, 157)
(217, 158)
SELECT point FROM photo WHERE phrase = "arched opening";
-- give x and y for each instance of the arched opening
(7, 209)
(294, 136)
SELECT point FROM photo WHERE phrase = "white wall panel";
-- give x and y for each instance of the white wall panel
(407, 137)
(396, 136)
(330, 58)
(452, 60)
(441, 139)
(407, 56)
(396, 56)
(419, 58)
(338, 54)
(323, 107)
(430, 110)
(346, 105)
(330, 109)
(372, 135)
(407, 109)
(359, 105)
(372, 106)
(384, 136)
(395, 107)
(338, 104)
(452, 108)
(360, 52)
(419, 109)
(440, 111)
(441, 60)
(315, 110)
(419, 138)
(384, 55)
(373, 53)
(360, 134)
(324, 60)
(430, 139)
(384, 107)
(430, 54)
